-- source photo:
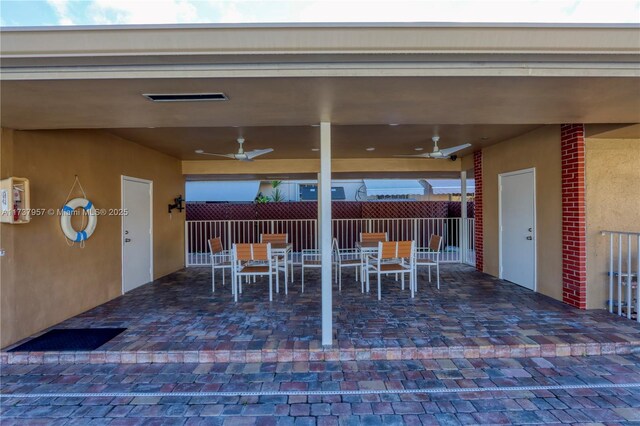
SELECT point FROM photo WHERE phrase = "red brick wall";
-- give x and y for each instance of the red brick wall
(478, 231)
(574, 244)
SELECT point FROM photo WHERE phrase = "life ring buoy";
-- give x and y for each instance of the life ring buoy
(65, 219)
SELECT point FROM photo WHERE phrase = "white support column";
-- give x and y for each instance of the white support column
(464, 240)
(324, 224)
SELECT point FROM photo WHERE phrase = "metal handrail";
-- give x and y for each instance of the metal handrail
(624, 251)
(620, 233)
(303, 234)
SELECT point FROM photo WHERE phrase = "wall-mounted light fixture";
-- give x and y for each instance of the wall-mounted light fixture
(177, 204)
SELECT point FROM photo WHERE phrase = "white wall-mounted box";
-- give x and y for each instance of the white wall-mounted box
(15, 202)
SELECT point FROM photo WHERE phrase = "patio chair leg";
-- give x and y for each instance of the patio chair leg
(340, 281)
(222, 279)
(302, 277)
(438, 272)
(411, 280)
(235, 289)
(402, 278)
(379, 288)
(271, 286)
(213, 279)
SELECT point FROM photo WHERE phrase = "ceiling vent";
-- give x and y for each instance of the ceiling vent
(186, 97)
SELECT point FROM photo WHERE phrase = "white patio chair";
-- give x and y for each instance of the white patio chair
(430, 256)
(393, 257)
(283, 258)
(220, 259)
(346, 258)
(366, 237)
(252, 260)
(311, 258)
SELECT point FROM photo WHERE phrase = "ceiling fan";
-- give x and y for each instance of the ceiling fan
(241, 155)
(439, 153)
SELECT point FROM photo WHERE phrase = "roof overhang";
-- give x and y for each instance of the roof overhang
(376, 187)
(264, 50)
(450, 186)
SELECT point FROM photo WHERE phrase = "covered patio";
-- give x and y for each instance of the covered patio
(178, 319)
(366, 96)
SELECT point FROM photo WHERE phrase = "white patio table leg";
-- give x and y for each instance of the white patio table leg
(213, 277)
(291, 263)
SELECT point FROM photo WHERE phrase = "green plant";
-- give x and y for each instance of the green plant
(261, 199)
(276, 196)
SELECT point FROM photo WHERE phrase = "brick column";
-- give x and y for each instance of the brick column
(574, 245)
(478, 231)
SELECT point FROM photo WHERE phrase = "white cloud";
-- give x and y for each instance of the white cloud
(61, 9)
(70, 12)
(470, 11)
(142, 12)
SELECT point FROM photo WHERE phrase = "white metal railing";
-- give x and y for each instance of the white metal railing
(623, 272)
(470, 258)
(303, 234)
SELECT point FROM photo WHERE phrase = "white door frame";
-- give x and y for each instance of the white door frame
(150, 182)
(535, 223)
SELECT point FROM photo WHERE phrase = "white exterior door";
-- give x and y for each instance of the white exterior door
(137, 266)
(517, 228)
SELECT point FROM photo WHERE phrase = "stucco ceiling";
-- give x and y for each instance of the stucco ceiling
(279, 112)
(298, 141)
(118, 103)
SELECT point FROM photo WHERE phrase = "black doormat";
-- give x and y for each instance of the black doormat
(69, 339)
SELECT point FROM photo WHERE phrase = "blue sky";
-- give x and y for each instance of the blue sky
(97, 12)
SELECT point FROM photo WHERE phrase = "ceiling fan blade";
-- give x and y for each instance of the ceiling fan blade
(425, 155)
(448, 151)
(257, 152)
(232, 156)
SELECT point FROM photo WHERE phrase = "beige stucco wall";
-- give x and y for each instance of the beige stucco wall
(613, 203)
(539, 148)
(43, 280)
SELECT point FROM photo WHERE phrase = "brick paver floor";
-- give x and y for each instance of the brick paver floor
(178, 319)
(386, 404)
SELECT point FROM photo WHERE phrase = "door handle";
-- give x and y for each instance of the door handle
(127, 240)
(529, 238)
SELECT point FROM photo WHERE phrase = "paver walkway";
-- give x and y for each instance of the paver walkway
(387, 404)
(178, 319)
